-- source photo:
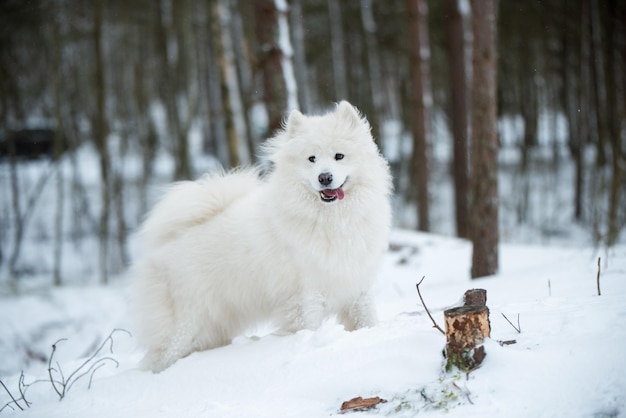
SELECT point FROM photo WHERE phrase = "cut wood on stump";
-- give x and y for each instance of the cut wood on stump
(475, 297)
(466, 329)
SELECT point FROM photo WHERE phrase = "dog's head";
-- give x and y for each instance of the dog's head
(327, 152)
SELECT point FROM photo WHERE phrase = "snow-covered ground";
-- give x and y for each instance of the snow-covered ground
(568, 360)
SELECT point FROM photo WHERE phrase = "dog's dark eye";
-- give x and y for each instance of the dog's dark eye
(312, 158)
(339, 156)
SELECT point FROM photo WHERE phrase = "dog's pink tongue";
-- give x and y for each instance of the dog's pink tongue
(334, 193)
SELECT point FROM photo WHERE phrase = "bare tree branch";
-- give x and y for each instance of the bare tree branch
(517, 328)
(424, 305)
(13, 400)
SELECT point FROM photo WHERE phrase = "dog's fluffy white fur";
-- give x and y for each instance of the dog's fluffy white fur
(295, 247)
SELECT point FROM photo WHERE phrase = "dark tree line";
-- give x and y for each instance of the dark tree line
(137, 81)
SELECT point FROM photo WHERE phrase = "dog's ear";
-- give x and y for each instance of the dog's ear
(294, 121)
(349, 113)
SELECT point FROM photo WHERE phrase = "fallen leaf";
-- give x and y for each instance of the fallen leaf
(360, 404)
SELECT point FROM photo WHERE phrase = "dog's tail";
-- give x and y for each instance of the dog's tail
(191, 203)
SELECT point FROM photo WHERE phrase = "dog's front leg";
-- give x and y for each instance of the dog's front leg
(304, 312)
(360, 313)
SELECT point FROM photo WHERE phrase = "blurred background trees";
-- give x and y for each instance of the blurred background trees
(144, 92)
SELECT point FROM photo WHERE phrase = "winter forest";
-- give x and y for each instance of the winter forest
(504, 125)
(132, 95)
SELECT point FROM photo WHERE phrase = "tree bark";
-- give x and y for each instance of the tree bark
(245, 87)
(618, 152)
(375, 115)
(279, 87)
(584, 99)
(466, 329)
(229, 85)
(421, 106)
(458, 114)
(58, 149)
(296, 17)
(475, 297)
(216, 143)
(172, 75)
(484, 210)
(338, 52)
(100, 134)
(570, 102)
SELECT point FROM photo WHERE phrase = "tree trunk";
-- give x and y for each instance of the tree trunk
(529, 106)
(466, 329)
(599, 95)
(338, 52)
(484, 211)
(231, 104)
(275, 61)
(458, 115)
(375, 116)
(18, 220)
(421, 104)
(570, 102)
(148, 138)
(245, 81)
(475, 297)
(58, 145)
(170, 82)
(584, 99)
(216, 142)
(100, 135)
(618, 153)
(182, 115)
(299, 56)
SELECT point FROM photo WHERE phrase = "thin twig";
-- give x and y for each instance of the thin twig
(598, 278)
(506, 342)
(92, 370)
(11, 396)
(108, 339)
(424, 305)
(517, 328)
(22, 386)
(52, 381)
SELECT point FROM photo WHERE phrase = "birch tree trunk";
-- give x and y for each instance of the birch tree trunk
(484, 212)
(216, 143)
(231, 100)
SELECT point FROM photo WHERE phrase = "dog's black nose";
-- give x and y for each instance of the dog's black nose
(325, 178)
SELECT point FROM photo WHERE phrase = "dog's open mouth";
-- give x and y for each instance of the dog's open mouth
(330, 195)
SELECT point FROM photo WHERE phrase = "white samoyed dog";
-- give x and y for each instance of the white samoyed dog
(295, 247)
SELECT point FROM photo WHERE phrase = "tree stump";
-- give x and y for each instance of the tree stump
(475, 297)
(466, 329)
